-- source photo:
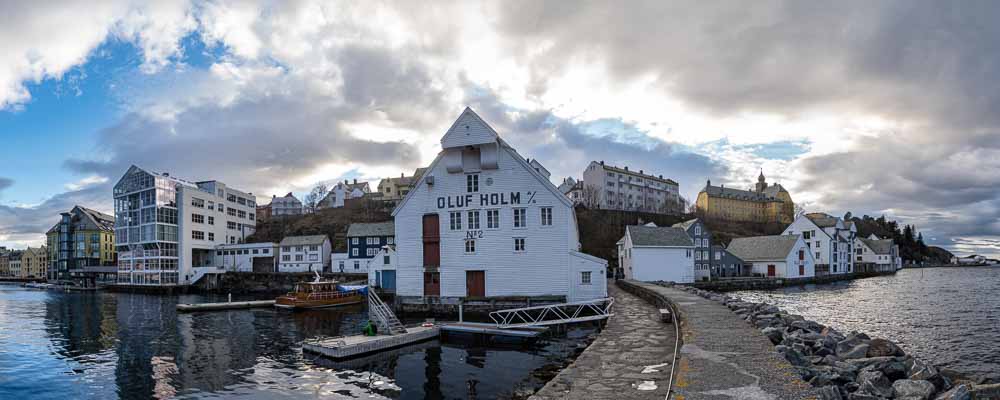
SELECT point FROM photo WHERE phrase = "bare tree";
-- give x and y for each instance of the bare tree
(591, 196)
(316, 195)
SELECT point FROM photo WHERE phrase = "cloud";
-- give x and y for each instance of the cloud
(26, 226)
(5, 183)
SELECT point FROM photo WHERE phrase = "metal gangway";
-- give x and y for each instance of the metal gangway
(382, 315)
(554, 314)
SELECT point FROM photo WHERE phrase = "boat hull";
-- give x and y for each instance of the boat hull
(301, 304)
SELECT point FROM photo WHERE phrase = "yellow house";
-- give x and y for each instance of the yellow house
(82, 238)
(34, 262)
(762, 204)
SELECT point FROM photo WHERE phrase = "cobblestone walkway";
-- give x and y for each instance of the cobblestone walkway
(630, 359)
(723, 357)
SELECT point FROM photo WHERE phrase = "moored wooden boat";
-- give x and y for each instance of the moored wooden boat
(318, 295)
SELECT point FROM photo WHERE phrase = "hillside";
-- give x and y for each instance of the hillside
(332, 222)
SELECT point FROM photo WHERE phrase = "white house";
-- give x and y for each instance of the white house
(343, 191)
(875, 255)
(652, 253)
(382, 269)
(482, 222)
(830, 240)
(778, 256)
(247, 257)
(305, 254)
(285, 205)
(339, 262)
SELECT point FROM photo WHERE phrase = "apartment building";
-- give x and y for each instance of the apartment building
(166, 228)
(619, 188)
(34, 262)
(82, 243)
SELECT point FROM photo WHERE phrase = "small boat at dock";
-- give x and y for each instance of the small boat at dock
(320, 294)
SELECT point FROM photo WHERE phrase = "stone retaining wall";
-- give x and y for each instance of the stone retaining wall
(768, 283)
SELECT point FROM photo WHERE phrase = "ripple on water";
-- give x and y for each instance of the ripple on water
(948, 316)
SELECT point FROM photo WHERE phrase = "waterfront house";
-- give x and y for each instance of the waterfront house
(382, 269)
(830, 241)
(726, 264)
(777, 256)
(366, 239)
(969, 260)
(247, 257)
(14, 264)
(702, 239)
(481, 222)
(166, 228)
(34, 262)
(619, 188)
(4, 262)
(285, 205)
(652, 253)
(304, 253)
(338, 261)
(875, 255)
(82, 244)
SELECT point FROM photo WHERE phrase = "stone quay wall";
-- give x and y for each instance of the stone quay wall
(852, 366)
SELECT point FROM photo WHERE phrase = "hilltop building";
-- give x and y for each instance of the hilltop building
(394, 189)
(343, 191)
(830, 240)
(573, 189)
(284, 206)
(762, 204)
(652, 253)
(777, 256)
(82, 244)
(614, 188)
(482, 223)
(166, 228)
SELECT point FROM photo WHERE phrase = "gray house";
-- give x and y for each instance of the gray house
(726, 264)
(702, 239)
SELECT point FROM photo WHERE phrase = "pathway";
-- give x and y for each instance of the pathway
(630, 359)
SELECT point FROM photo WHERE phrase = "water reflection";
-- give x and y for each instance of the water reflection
(948, 316)
(56, 345)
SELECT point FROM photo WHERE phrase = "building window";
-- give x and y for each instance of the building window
(687, 253)
(474, 219)
(519, 244)
(298, 257)
(198, 218)
(492, 219)
(520, 217)
(313, 248)
(370, 252)
(211, 236)
(697, 230)
(389, 240)
(354, 252)
(472, 183)
(198, 235)
(354, 240)
(211, 220)
(718, 255)
(585, 277)
(455, 220)
(385, 260)
(470, 246)
(314, 257)
(357, 265)
(546, 216)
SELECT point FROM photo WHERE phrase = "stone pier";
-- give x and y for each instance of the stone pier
(630, 359)
(722, 356)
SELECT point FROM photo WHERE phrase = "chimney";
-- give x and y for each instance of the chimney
(640, 171)
(166, 174)
(355, 181)
(661, 176)
(626, 167)
(345, 181)
(401, 175)
(602, 162)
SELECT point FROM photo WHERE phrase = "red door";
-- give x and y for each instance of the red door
(770, 270)
(475, 283)
(432, 241)
(802, 270)
(432, 284)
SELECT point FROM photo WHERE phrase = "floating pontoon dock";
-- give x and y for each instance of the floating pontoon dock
(491, 329)
(353, 346)
(232, 305)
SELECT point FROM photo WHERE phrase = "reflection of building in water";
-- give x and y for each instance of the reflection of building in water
(163, 368)
(213, 345)
(81, 324)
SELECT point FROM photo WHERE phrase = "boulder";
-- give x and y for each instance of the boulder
(960, 392)
(883, 348)
(874, 383)
(847, 351)
(807, 326)
(925, 372)
(774, 334)
(910, 389)
(892, 368)
(795, 358)
(829, 393)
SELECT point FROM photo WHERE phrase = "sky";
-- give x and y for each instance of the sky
(884, 108)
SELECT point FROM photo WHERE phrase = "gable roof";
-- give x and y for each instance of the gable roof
(763, 248)
(469, 129)
(739, 194)
(823, 220)
(303, 240)
(387, 228)
(883, 246)
(686, 224)
(96, 218)
(643, 235)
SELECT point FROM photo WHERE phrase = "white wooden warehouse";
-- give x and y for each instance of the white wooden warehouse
(777, 256)
(481, 222)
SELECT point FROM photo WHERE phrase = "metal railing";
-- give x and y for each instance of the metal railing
(554, 314)
(383, 317)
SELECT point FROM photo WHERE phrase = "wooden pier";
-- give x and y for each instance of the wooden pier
(233, 305)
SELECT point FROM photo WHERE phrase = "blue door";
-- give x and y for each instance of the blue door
(378, 278)
(389, 280)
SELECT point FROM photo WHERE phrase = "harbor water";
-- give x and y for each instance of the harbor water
(947, 316)
(58, 345)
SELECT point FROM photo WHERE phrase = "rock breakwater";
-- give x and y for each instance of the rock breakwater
(852, 365)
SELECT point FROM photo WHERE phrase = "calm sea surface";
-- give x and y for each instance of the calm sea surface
(56, 345)
(946, 316)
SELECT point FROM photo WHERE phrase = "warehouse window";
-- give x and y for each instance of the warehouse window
(585, 277)
(546, 216)
(472, 183)
(474, 219)
(520, 217)
(492, 219)
(455, 220)
(519, 244)
(470, 246)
